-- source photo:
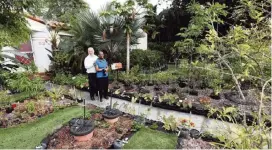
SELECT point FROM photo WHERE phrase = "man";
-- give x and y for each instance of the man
(101, 66)
(89, 65)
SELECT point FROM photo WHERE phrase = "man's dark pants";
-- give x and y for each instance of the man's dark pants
(92, 84)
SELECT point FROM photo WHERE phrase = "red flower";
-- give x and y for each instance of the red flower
(13, 106)
(183, 121)
(192, 124)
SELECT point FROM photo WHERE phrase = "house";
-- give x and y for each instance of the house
(38, 47)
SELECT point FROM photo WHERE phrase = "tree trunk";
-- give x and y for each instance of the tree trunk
(128, 53)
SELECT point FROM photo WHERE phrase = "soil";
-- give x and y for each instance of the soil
(194, 144)
(102, 137)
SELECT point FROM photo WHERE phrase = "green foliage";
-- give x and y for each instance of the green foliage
(147, 59)
(55, 93)
(164, 77)
(31, 68)
(136, 126)
(30, 107)
(147, 97)
(154, 126)
(245, 137)
(4, 98)
(229, 113)
(170, 123)
(13, 25)
(97, 110)
(80, 81)
(60, 61)
(23, 83)
(132, 77)
(171, 98)
(61, 10)
(166, 48)
(62, 79)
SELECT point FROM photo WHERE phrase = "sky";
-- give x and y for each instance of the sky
(96, 4)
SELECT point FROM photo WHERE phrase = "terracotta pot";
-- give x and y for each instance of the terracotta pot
(84, 138)
(111, 121)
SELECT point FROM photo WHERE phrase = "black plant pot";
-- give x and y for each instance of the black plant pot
(111, 113)
(215, 96)
(9, 110)
(193, 92)
(194, 133)
(184, 133)
(182, 84)
(117, 144)
(79, 100)
(81, 127)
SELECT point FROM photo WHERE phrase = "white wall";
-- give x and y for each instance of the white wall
(39, 44)
(142, 42)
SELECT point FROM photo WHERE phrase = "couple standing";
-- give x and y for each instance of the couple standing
(97, 69)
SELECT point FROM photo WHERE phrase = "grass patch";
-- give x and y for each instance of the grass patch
(28, 136)
(151, 139)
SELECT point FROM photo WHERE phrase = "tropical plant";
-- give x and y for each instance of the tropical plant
(171, 98)
(56, 93)
(170, 123)
(128, 13)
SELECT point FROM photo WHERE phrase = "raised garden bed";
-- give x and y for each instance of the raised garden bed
(29, 110)
(104, 136)
(191, 102)
(150, 134)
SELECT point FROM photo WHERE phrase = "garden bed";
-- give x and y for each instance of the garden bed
(29, 109)
(184, 99)
(129, 128)
(29, 135)
(103, 135)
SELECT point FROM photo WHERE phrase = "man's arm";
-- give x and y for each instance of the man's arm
(87, 64)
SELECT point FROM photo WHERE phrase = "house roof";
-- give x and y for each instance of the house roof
(52, 24)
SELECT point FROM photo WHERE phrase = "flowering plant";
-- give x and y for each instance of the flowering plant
(205, 100)
(186, 123)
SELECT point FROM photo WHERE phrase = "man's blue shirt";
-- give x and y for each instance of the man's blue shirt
(101, 64)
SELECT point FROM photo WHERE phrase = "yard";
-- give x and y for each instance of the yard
(191, 75)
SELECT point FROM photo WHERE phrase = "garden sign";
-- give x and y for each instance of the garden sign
(116, 66)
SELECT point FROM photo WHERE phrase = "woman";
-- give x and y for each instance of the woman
(101, 66)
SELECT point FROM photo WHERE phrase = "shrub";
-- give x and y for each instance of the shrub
(62, 79)
(80, 81)
(146, 59)
(166, 48)
(22, 83)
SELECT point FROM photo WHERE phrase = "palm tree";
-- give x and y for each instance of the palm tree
(104, 32)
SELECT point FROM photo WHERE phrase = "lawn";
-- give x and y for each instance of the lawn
(28, 136)
(151, 139)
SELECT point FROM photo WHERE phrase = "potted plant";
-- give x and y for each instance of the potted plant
(184, 127)
(111, 115)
